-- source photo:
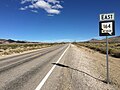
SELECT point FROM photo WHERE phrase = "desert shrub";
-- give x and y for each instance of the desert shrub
(113, 48)
(6, 49)
(103, 50)
(118, 44)
(5, 53)
(115, 53)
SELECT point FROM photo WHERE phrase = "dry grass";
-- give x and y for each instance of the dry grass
(114, 48)
(7, 49)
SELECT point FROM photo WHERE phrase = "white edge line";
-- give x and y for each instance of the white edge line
(48, 74)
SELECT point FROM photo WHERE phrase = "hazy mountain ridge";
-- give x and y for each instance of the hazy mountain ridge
(7, 41)
(115, 39)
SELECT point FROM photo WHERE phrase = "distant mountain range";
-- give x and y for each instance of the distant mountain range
(7, 41)
(111, 39)
(115, 39)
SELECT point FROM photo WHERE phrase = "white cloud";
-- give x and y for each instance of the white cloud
(57, 6)
(31, 6)
(50, 15)
(42, 4)
(35, 11)
(53, 1)
(24, 1)
(23, 8)
(50, 6)
(53, 11)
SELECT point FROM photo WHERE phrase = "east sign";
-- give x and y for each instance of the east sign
(107, 25)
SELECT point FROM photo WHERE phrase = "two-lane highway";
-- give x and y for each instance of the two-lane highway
(30, 71)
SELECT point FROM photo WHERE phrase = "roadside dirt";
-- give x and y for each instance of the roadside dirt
(85, 69)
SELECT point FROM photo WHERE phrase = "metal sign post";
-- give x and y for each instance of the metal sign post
(107, 28)
(107, 63)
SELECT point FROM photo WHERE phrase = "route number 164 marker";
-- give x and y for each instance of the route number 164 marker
(107, 28)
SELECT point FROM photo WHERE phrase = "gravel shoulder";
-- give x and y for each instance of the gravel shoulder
(85, 69)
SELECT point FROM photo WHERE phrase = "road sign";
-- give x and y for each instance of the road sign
(107, 28)
(107, 24)
(107, 17)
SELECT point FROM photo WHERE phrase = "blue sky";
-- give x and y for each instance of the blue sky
(54, 20)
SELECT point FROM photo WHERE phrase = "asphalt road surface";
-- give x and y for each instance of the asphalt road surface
(61, 67)
(30, 71)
